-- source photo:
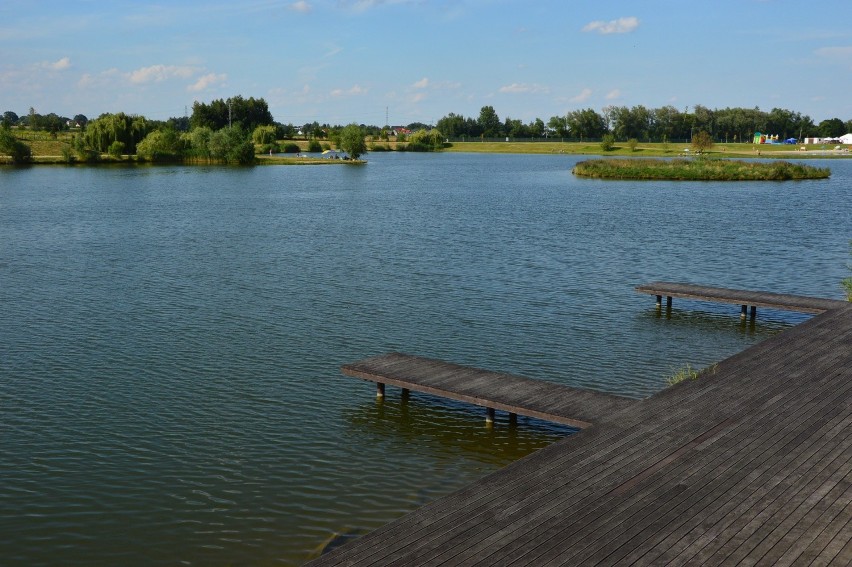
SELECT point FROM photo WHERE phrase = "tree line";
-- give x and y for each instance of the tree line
(647, 124)
(229, 129)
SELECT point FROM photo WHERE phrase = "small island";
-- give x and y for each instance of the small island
(697, 169)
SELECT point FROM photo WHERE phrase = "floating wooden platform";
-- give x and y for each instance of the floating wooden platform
(492, 390)
(751, 464)
(744, 298)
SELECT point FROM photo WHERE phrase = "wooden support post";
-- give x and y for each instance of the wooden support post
(513, 419)
(743, 311)
(659, 301)
(753, 311)
(668, 302)
(489, 416)
(405, 393)
(380, 390)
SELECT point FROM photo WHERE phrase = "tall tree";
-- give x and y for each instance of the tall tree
(352, 141)
(489, 122)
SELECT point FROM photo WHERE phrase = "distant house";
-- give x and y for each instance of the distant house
(400, 131)
(813, 140)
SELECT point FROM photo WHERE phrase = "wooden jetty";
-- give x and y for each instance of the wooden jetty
(755, 299)
(492, 390)
(749, 464)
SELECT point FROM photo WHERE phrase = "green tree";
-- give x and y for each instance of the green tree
(352, 141)
(832, 128)
(489, 122)
(585, 124)
(701, 141)
(608, 142)
(231, 145)
(13, 147)
(160, 145)
(263, 135)
(425, 141)
(559, 125)
(632, 143)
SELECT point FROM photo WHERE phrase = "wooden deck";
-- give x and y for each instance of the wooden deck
(749, 465)
(507, 392)
(802, 303)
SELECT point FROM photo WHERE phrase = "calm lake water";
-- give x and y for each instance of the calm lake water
(170, 337)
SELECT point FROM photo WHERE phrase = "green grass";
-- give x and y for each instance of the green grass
(698, 169)
(688, 373)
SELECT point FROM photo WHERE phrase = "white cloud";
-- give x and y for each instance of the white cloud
(354, 91)
(158, 73)
(842, 53)
(516, 88)
(613, 94)
(582, 97)
(418, 97)
(207, 81)
(301, 6)
(421, 84)
(60, 65)
(621, 25)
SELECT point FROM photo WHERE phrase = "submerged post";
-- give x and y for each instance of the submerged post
(743, 311)
(489, 416)
(753, 311)
(380, 390)
(668, 302)
(659, 301)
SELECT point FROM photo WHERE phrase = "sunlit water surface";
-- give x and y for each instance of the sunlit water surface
(170, 337)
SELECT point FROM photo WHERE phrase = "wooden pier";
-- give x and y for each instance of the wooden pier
(491, 390)
(754, 299)
(748, 464)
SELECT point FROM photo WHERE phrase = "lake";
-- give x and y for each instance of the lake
(171, 337)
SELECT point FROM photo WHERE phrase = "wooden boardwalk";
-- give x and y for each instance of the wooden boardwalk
(493, 390)
(745, 298)
(751, 464)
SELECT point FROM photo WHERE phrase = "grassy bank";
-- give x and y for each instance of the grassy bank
(698, 169)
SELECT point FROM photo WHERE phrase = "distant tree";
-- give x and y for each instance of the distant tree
(832, 128)
(13, 147)
(236, 111)
(199, 142)
(585, 124)
(160, 145)
(116, 149)
(608, 142)
(537, 128)
(414, 126)
(701, 141)
(107, 128)
(632, 143)
(263, 135)
(231, 145)
(489, 122)
(453, 126)
(559, 124)
(81, 120)
(10, 118)
(425, 141)
(352, 141)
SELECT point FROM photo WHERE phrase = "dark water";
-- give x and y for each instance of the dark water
(170, 337)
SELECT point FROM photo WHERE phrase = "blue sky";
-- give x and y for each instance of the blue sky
(342, 61)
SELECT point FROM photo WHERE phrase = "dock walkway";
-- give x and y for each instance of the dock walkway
(750, 464)
(492, 390)
(801, 303)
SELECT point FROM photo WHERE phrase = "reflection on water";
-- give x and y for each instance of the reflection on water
(455, 427)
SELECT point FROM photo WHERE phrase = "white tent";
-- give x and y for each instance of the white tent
(846, 139)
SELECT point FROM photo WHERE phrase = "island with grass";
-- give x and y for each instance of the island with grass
(698, 169)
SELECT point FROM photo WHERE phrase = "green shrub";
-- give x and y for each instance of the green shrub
(632, 143)
(291, 148)
(608, 142)
(116, 149)
(314, 146)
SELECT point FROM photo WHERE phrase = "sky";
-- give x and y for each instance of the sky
(395, 62)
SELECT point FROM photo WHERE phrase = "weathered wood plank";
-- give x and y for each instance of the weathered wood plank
(802, 303)
(751, 463)
(507, 392)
